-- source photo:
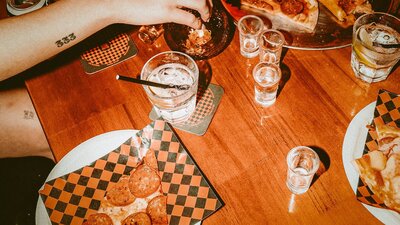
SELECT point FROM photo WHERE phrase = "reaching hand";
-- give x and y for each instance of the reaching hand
(141, 12)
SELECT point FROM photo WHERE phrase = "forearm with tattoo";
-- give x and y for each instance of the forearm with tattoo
(65, 40)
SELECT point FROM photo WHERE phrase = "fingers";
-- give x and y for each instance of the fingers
(186, 18)
(199, 6)
(210, 3)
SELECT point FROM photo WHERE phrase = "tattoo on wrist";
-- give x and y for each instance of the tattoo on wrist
(65, 40)
(28, 114)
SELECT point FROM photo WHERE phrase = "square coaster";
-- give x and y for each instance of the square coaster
(206, 106)
(109, 53)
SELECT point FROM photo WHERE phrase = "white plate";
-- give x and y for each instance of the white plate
(353, 146)
(82, 155)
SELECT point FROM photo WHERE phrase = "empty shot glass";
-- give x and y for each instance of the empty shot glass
(150, 33)
(266, 77)
(303, 163)
(271, 42)
(249, 27)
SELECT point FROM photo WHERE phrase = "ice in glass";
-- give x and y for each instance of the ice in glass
(177, 68)
(372, 56)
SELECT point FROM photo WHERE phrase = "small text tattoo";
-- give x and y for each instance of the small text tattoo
(65, 40)
(28, 114)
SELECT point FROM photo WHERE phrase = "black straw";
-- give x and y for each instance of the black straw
(154, 84)
(376, 44)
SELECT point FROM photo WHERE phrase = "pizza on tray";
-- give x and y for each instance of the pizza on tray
(304, 13)
(136, 199)
(380, 169)
(301, 13)
(345, 10)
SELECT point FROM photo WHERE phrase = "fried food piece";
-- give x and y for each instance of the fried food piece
(196, 40)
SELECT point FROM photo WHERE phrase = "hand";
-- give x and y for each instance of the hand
(141, 12)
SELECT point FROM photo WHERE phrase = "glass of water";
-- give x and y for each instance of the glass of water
(266, 76)
(249, 27)
(303, 163)
(176, 68)
(374, 51)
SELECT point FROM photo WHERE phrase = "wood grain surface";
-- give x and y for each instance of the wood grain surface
(243, 152)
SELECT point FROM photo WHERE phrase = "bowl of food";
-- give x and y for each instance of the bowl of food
(207, 42)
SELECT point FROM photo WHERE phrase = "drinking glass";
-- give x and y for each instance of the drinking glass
(266, 77)
(271, 43)
(177, 68)
(249, 27)
(303, 163)
(150, 33)
(374, 52)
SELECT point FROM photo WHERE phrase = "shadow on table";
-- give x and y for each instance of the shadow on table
(325, 162)
(286, 73)
(205, 75)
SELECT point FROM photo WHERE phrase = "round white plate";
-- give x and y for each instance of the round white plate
(353, 146)
(82, 155)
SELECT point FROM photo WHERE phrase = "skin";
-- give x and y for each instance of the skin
(34, 37)
(77, 20)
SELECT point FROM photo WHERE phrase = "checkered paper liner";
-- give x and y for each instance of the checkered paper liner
(116, 50)
(71, 198)
(387, 111)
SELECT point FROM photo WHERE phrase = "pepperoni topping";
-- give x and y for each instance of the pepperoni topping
(292, 7)
(119, 194)
(98, 219)
(157, 209)
(144, 181)
(140, 218)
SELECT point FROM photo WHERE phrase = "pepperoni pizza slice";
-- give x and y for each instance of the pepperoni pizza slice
(300, 13)
(345, 10)
(136, 198)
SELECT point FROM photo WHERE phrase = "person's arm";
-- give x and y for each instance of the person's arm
(29, 39)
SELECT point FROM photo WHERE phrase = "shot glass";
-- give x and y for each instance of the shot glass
(374, 51)
(266, 77)
(271, 43)
(150, 33)
(177, 68)
(249, 27)
(302, 163)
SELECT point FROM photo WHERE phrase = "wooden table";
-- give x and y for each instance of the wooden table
(244, 150)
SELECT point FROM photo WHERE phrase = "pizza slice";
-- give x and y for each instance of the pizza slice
(136, 198)
(388, 138)
(345, 10)
(300, 13)
(380, 169)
